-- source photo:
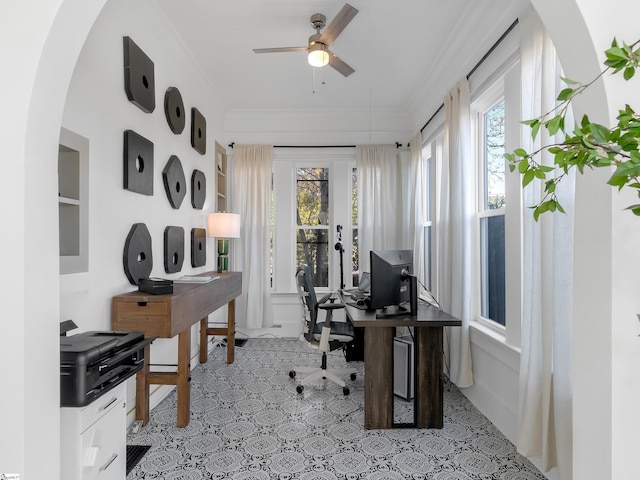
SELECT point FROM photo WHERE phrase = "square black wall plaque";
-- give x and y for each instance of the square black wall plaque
(138, 163)
(198, 131)
(198, 247)
(173, 249)
(139, 81)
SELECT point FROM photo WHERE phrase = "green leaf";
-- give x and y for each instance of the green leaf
(535, 128)
(521, 152)
(600, 134)
(635, 209)
(568, 81)
(523, 166)
(527, 178)
(565, 94)
(629, 72)
(554, 124)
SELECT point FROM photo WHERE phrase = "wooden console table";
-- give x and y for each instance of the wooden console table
(378, 365)
(166, 316)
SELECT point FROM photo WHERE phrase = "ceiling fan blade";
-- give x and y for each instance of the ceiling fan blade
(339, 65)
(280, 49)
(338, 24)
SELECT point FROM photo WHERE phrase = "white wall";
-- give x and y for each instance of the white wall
(98, 109)
(605, 443)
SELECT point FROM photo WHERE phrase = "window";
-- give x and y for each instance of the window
(491, 211)
(312, 222)
(355, 263)
(427, 157)
(312, 195)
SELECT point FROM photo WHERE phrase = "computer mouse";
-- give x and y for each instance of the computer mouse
(360, 302)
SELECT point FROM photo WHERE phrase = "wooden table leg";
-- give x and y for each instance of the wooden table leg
(231, 331)
(204, 340)
(184, 377)
(428, 400)
(378, 377)
(142, 389)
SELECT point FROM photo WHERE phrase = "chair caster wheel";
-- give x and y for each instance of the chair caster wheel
(345, 390)
(292, 374)
(353, 376)
(299, 389)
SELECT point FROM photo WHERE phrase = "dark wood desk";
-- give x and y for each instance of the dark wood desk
(378, 365)
(166, 316)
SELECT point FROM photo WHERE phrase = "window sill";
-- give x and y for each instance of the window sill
(493, 341)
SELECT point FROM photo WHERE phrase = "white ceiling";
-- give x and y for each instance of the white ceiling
(404, 52)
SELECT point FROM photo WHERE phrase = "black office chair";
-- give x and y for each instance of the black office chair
(326, 335)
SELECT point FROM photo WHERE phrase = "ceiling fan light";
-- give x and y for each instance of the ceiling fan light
(318, 56)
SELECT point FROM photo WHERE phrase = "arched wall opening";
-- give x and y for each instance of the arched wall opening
(577, 29)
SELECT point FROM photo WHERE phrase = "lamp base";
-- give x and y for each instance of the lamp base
(223, 251)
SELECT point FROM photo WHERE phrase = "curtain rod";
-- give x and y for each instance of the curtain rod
(486, 55)
(398, 145)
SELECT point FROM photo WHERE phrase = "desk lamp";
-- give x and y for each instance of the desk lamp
(223, 226)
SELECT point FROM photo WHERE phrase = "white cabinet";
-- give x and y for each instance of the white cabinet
(93, 438)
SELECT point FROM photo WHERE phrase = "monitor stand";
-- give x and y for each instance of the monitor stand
(393, 311)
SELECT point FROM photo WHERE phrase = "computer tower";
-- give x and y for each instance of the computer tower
(403, 367)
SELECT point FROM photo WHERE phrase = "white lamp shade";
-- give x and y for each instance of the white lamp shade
(318, 56)
(223, 225)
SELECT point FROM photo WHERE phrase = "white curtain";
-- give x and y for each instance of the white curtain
(415, 178)
(380, 200)
(544, 413)
(252, 167)
(455, 232)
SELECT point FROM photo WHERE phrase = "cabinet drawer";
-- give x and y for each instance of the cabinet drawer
(112, 399)
(104, 448)
(141, 309)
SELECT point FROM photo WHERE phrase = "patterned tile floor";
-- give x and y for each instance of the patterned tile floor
(248, 422)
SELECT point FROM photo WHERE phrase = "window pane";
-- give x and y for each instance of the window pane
(313, 250)
(355, 272)
(494, 157)
(312, 196)
(493, 268)
(427, 257)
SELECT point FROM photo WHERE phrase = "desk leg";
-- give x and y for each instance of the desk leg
(231, 331)
(184, 377)
(142, 389)
(378, 377)
(428, 401)
(204, 339)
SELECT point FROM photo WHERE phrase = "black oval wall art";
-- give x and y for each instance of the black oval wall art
(174, 110)
(198, 131)
(175, 184)
(198, 189)
(136, 257)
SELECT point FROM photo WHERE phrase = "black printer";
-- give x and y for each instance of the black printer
(92, 363)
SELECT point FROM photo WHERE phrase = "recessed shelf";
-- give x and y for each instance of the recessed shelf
(73, 181)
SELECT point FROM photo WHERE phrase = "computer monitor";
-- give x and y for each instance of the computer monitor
(392, 282)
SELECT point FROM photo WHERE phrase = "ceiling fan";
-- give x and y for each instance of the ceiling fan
(318, 53)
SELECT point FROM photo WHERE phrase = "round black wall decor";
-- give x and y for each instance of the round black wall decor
(198, 189)
(174, 110)
(175, 185)
(137, 258)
